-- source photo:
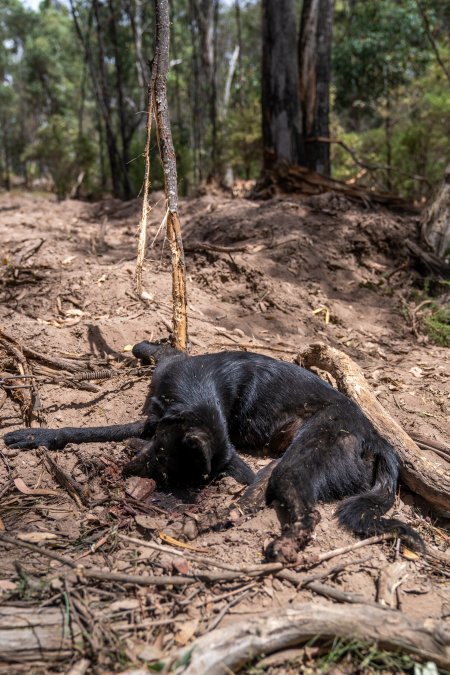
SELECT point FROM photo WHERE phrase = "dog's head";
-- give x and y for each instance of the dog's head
(183, 451)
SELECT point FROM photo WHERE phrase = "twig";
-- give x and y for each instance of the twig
(63, 479)
(80, 668)
(201, 560)
(159, 93)
(71, 365)
(200, 246)
(368, 165)
(429, 443)
(267, 348)
(215, 622)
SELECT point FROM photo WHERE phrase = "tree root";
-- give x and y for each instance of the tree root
(228, 649)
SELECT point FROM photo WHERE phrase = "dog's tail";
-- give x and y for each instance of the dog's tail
(363, 513)
(151, 353)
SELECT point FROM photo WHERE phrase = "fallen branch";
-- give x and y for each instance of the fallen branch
(71, 365)
(228, 649)
(33, 634)
(200, 246)
(417, 470)
(64, 479)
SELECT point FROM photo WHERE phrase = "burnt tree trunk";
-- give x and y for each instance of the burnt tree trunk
(282, 119)
(203, 20)
(314, 58)
(125, 136)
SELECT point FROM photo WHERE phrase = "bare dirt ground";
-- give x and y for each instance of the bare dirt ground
(295, 262)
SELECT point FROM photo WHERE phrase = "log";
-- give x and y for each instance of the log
(227, 649)
(286, 178)
(37, 634)
(419, 470)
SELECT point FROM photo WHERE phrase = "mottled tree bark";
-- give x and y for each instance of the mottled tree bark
(282, 119)
(435, 226)
(159, 104)
(314, 57)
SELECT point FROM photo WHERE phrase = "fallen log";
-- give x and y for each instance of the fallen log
(30, 634)
(419, 470)
(286, 178)
(227, 649)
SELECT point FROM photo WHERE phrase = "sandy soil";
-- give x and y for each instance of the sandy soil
(74, 298)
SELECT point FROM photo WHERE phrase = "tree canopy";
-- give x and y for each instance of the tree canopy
(73, 81)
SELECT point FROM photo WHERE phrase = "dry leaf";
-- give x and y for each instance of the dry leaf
(35, 537)
(186, 632)
(127, 348)
(149, 522)
(6, 585)
(409, 555)
(146, 296)
(140, 488)
(2, 526)
(74, 312)
(25, 490)
(174, 542)
(150, 653)
(125, 604)
(68, 260)
(181, 566)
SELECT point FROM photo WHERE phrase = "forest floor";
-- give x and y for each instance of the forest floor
(295, 261)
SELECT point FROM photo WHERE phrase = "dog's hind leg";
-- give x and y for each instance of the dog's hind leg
(55, 439)
(326, 460)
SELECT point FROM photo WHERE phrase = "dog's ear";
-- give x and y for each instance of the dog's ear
(199, 446)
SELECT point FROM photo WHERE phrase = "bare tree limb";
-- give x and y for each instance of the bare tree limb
(228, 649)
(158, 101)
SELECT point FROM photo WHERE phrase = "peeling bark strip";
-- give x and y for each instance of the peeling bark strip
(158, 101)
(418, 470)
(227, 649)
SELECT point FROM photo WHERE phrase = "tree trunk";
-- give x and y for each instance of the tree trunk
(281, 114)
(314, 57)
(37, 634)
(124, 134)
(204, 17)
(114, 159)
(435, 226)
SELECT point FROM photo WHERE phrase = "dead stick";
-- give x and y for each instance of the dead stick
(63, 479)
(200, 246)
(53, 362)
(228, 649)
(168, 158)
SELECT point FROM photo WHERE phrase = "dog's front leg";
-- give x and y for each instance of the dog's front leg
(55, 439)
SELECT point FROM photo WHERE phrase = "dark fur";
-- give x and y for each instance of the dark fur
(202, 408)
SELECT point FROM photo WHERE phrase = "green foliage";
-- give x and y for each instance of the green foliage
(380, 45)
(363, 657)
(437, 326)
(390, 97)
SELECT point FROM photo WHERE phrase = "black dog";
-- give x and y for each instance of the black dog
(202, 408)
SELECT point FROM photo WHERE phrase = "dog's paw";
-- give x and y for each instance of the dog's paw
(294, 537)
(26, 439)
